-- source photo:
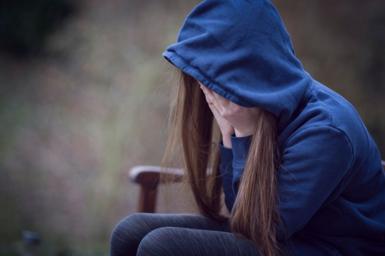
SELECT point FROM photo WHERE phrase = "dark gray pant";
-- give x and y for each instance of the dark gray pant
(168, 234)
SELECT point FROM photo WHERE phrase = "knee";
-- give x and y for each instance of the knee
(126, 235)
(126, 227)
(158, 242)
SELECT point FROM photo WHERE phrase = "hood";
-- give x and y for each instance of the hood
(242, 51)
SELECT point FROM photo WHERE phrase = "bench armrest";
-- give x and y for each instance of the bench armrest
(149, 177)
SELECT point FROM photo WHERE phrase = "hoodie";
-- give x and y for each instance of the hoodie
(331, 184)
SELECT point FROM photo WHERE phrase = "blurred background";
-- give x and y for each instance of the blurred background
(85, 94)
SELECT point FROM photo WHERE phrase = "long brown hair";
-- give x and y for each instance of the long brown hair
(254, 214)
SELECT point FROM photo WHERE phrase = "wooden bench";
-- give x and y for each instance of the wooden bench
(148, 178)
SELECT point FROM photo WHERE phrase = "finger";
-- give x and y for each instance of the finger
(204, 89)
(208, 95)
(208, 92)
(219, 103)
(214, 110)
(220, 99)
(210, 101)
(217, 100)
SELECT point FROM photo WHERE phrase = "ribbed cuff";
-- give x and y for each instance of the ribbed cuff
(240, 149)
(226, 158)
(227, 153)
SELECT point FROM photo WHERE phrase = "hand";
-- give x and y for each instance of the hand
(242, 119)
(224, 126)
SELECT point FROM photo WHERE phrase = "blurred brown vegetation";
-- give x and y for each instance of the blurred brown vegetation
(95, 102)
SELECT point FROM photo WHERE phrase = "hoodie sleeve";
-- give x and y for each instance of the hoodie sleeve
(240, 148)
(231, 165)
(226, 171)
(313, 163)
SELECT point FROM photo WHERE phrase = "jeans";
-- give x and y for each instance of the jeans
(168, 234)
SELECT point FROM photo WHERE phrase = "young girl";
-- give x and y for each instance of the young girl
(300, 172)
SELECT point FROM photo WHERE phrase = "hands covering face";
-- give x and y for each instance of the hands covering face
(230, 117)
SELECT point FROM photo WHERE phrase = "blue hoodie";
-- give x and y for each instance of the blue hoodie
(331, 184)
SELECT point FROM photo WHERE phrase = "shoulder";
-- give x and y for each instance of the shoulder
(329, 111)
(338, 111)
(326, 135)
(332, 114)
(318, 146)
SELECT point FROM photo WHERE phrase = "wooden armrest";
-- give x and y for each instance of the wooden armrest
(149, 177)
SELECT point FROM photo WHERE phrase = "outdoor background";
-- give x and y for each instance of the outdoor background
(85, 94)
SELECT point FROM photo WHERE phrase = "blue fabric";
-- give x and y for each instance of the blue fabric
(331, 183)
(226, 170)
(231, 168)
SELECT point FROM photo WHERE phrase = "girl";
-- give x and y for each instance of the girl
(300, 172)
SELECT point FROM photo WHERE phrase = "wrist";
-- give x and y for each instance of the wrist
(226, 140)
(239, 133)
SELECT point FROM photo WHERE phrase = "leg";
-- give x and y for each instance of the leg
(170, 241)
(127, 234)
